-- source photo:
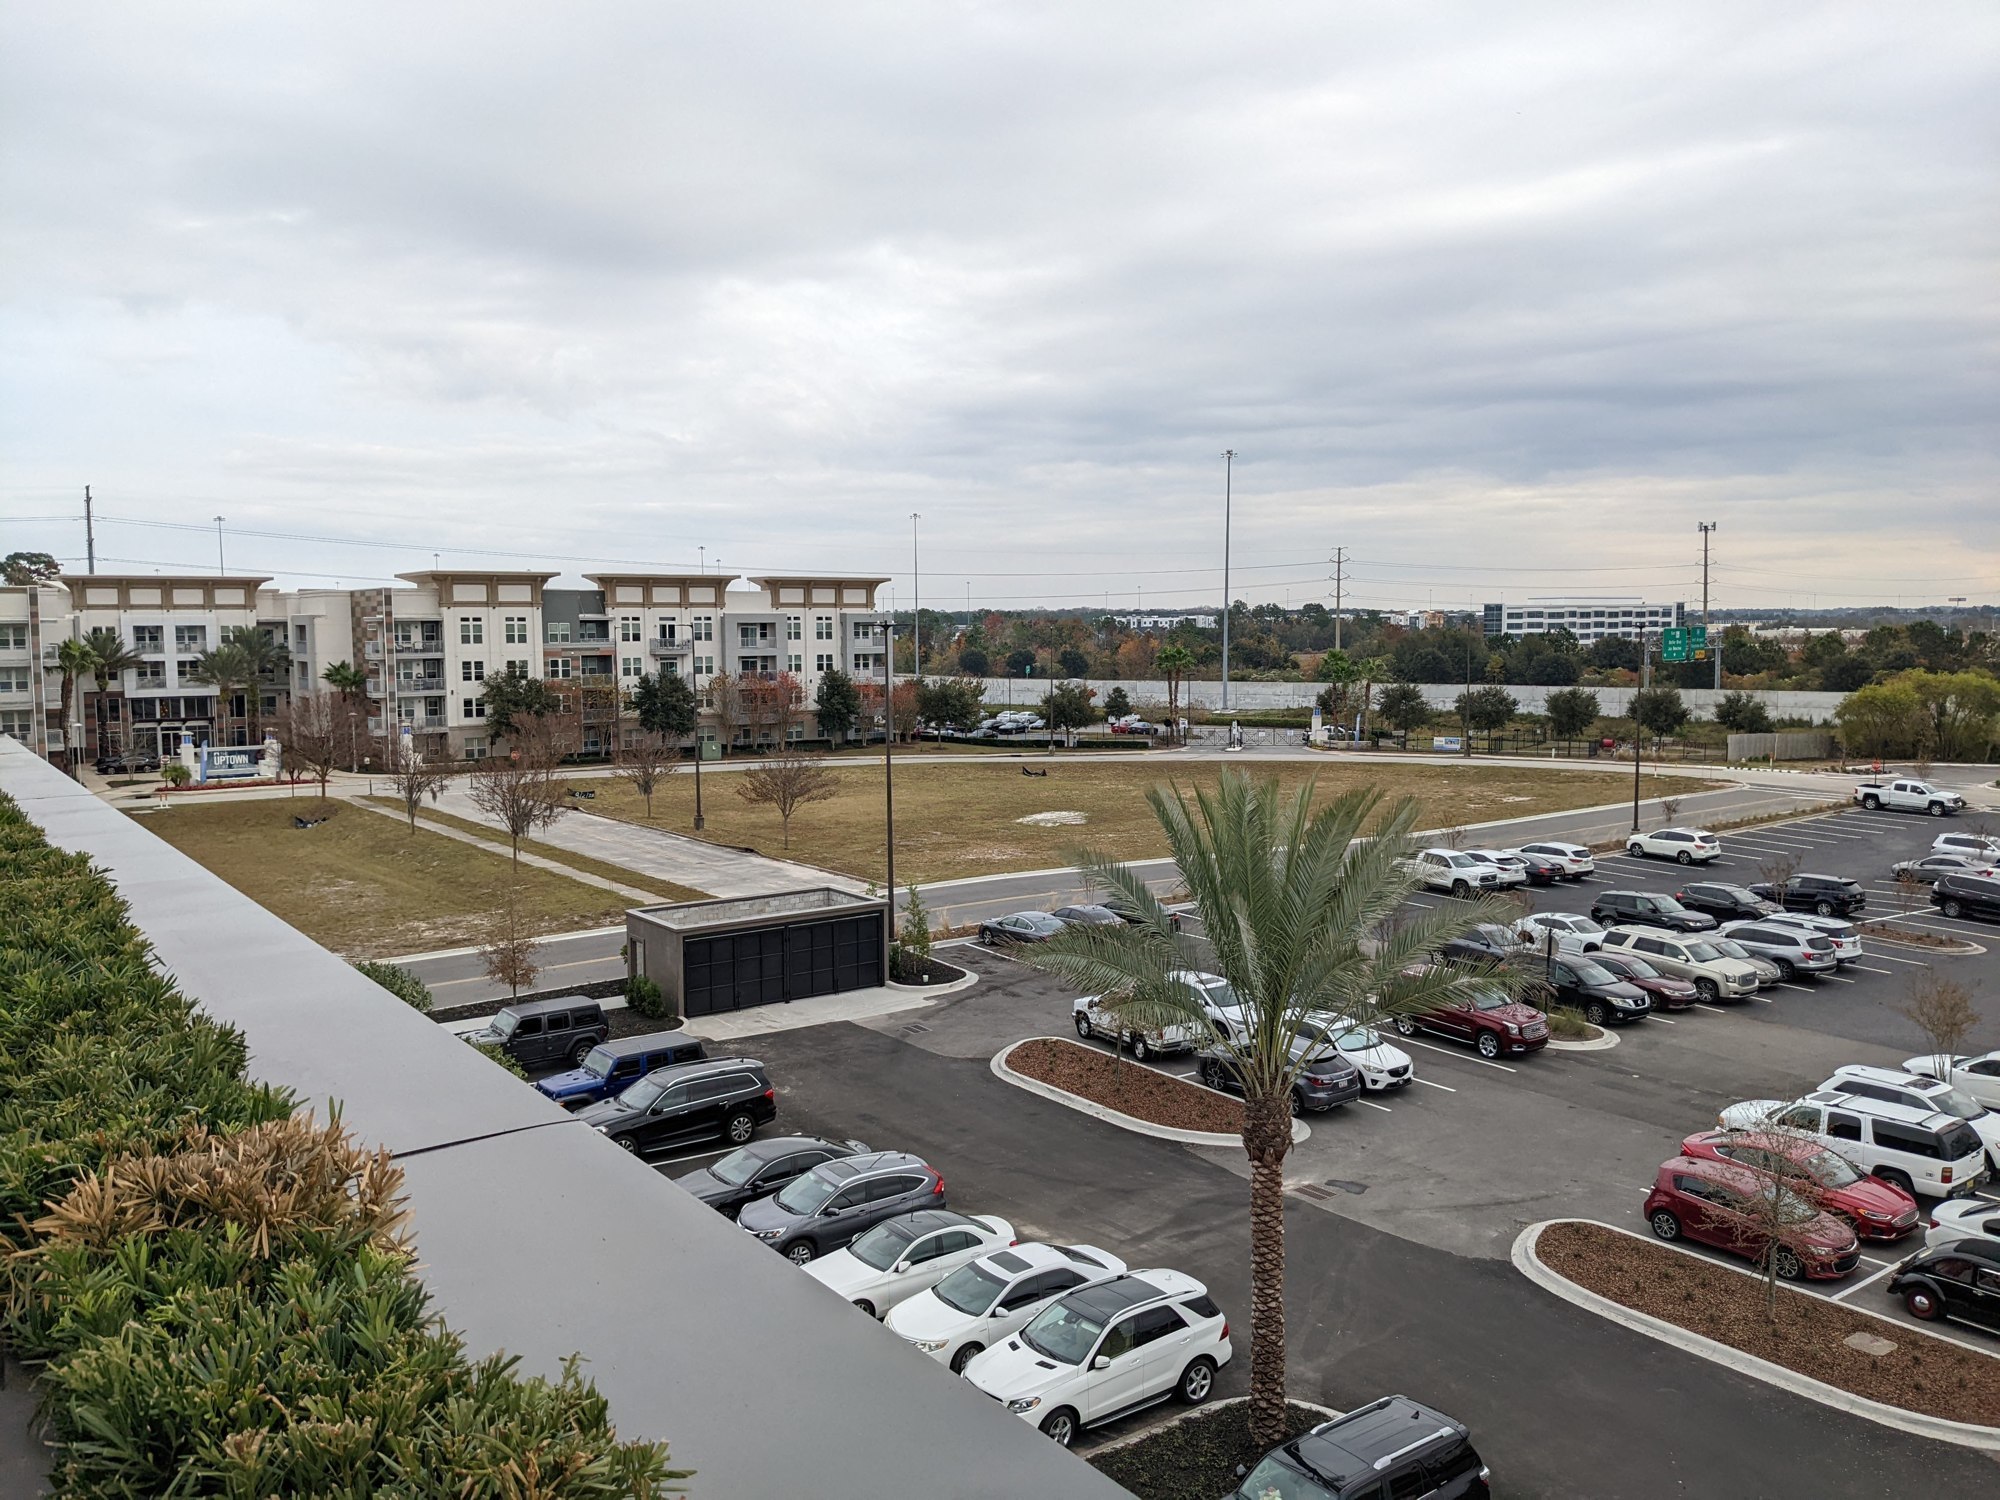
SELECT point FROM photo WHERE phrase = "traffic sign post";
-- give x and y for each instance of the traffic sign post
(1698, 642)
(1673, 645)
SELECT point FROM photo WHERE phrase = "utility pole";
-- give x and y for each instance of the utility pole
(1339, 569)
(889, 788)
(89, 534)
(916, 603)
(218, 546)
(1228, 481)
(1645, 674)
(1714, 646)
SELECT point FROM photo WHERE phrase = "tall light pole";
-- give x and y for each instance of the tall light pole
(1645, 666)
(916, 603)
(1228, 484)
(889, 787)
(218, 546)
(1714, 646)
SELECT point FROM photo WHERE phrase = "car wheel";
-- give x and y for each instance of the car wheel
(1684, 858)
(1824, 908)
(1786, 968)
(966, 1354)
(1211, 1074)
(1937, 809)
(1951, 908)
(1404, 1026)
(1788, 1266)
(1197, 1381)
(739, 1129)
(1460, 890)
(1140, 1051)
(1489, 1044)
(1298, 1104)
(1873, 804)
(1083, 1025)
(1596, 1012)
(579, 1052)
(1060, 1424)
(800, 1251)
(627, 1144)
(1636, 849)
(1665, 1225)
(1708, 989)
(1898, 1180)
(866, 1306)
(1922, 1303)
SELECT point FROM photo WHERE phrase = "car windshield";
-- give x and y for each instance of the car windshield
(1583, 925)
(1490, 1000)
(1062, 1333)
(505, 1022)
(969, 1289)
(1736, 893)
(1591, 973)
(882, 1246)
(644, 1093)
(1831, 1171)
(1634, 967)
(804, 1195)
(738, 1167)
(599, 1063)
(1956, 1103)
(1219, 992)
(1703, 953)
(1729, 947)
(1282, 1481)
(1360, 1039)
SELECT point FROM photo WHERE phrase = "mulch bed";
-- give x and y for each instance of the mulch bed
(1126, 1086)
(1921, 1374)
(1195, 1459)
(1887, 934)
(909, 969)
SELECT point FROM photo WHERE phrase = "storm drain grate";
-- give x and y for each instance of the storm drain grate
(1356, 1188)
(1314, 1191)
(913, 1029)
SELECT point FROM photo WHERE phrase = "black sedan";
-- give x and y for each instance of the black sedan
(1021, 927)
(1577, 981)
(1539, 868)
(1724, 902)
(1087, 916)
(1931, 866)
(761, 1168)
(1488, 942)
(1960, 1281)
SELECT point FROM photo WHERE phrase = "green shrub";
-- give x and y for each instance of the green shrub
(215, 1290)
(504, 1058)
(915, 938)
(399, 982)
(645, 998)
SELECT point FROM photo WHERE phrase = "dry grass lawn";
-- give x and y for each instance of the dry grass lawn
(367, 887)
(960, 820)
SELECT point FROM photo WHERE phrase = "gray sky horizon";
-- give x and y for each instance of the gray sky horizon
(1501, 300)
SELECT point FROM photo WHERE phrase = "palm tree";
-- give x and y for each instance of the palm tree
(1373, 669)
(227, 668)
(1174, 661)
(270, 662)
(1301, 913)
(75, 660)
(350, 682)
(114, 659)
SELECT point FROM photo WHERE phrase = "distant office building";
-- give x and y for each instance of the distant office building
(1166, 622)
(1589, 620)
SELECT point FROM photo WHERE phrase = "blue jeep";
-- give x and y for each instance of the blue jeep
(614, 1066)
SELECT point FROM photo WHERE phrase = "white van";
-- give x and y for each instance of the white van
(1918, 1150)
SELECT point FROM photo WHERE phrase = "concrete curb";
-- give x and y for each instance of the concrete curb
(1190, 1413)
(1961, 947)
(1300, 1130)
(965, 981)
(1964, 1434)
(1603, 1042)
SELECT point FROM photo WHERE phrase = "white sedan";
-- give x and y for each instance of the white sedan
(908, 1254)
(1381, 1065)
(1107, 1350)
(996, 1295)
(1574, 933)
(1973, 1218)
(1689, 846)
(1513, 869)
(1978, 1076)
(1575, 860)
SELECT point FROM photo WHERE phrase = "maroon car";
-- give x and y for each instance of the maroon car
(1876, 1210)
(1666, 992)
(1713, 1203)
(1490, 1021)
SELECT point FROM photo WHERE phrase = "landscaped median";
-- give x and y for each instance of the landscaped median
(1125, 1093)
(212, 1290)
(1872, 1367)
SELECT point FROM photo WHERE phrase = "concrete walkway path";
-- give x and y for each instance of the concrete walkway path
(631, 893)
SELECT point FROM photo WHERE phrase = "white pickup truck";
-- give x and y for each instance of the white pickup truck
(1908, 796)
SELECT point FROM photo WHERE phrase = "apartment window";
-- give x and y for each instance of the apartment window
(668, 630)
(632, 666)
(475, 747)
(150, 674)
(19, 722)
(671, 667)
(794, 627)
(559, 666)
(864, 665)
(752, 635)
(558, 630)
(795, 664)
(472, 632)
(823, 627)
(14, 680)
(190, 637)
(631, 628)
(517, 666)
(864, 630)
(472, 708)
(704, 666)
(148, 638)
(516, 630)
(13, 638)
(702, 628)
(472, 671)
(823, 662)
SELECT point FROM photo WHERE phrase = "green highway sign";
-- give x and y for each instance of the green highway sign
(1673, 645)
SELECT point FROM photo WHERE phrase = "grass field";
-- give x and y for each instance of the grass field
(661, 890)
(960, 820)
(367, 887)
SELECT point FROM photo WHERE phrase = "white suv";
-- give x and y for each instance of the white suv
(1975, 845)
(996, 1295)
(1574, 860)
(1107, 1350)
(1690, 846)
(1919, 1151)
(1573, 933)
(1713, 972)
(1893, 1087)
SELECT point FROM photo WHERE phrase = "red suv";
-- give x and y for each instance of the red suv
(1874, 1209)
(1490, 1021)
(1665, 991)
(1709, 1202)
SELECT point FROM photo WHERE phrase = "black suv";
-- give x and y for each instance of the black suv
(1394, 1446)
(760, 1169)
(1725, 903)
(725, 1097)
(1488, 942)
(836, 1200)
(126, 763)
(1825, 895)
(1967, 895)
(536, 1033)
(1327, 1079)
(1636, 908)
(1577, 981)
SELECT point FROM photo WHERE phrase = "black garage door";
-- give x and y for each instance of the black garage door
(781, 963)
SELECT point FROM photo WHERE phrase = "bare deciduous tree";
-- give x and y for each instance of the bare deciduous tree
(1780, 1212)
(413, 778)
(1941, 1008)
(1778, 871)
(1908, 891)
(312, 734)
(1453, 837)
(522, 790)
(509, 950)
(786, 782)
(644, 764)
(1670, 811)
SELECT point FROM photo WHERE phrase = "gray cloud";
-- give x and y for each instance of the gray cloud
(1469, 289)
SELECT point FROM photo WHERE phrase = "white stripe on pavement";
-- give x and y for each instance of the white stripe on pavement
(1428, 1084)
(1857, 1286)
(1373, 1105)
(1410, 1041)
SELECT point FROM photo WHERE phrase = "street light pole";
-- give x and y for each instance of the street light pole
(1714, 646)
(889, 790)
(1228, 484)
(1645, 662)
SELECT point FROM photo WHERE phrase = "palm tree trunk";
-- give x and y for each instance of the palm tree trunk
(1267, 1137)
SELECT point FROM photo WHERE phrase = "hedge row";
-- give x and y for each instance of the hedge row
(216, 1290)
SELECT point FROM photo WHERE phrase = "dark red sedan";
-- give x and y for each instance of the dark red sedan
(1714, 1203)
(1877, 1210)
(1666, 992)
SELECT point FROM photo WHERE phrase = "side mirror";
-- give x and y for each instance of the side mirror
(1102, 1362)
(900, 1267)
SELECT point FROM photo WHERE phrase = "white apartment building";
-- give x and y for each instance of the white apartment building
(1588, 619)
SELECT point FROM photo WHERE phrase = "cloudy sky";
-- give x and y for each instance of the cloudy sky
(1501, 299)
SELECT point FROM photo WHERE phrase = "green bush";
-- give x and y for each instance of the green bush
(399, 982)
(915, 938)
(503, 1057)
(213, 1289)
(645, 998)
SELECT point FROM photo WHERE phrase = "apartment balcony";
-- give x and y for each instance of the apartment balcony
(420, 648)
(407, 685)
(669, 648)
(372, 651)
(425, 721)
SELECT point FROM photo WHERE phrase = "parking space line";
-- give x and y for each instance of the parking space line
(668, 1161)
(1663, 1020)
(1428, 1084)
(1448, 1052)
(1891, 958)
(1838, 980)
(1868, 968)
(1373, 1105)
(1704, 1005)
(1857, 1286)
(1799, 987)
